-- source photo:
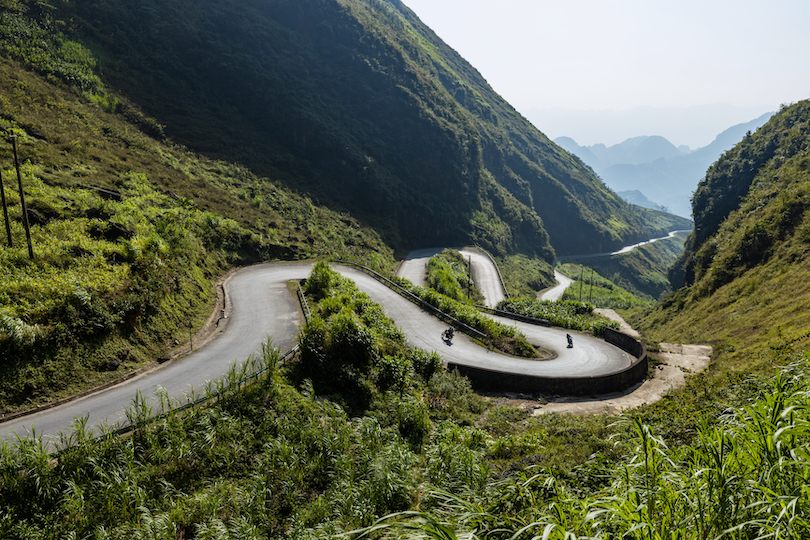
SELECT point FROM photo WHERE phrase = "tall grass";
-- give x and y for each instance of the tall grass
(745, 477)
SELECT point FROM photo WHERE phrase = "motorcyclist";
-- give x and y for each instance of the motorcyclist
(570, 340)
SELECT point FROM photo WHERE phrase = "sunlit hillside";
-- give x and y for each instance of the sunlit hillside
(746, 267)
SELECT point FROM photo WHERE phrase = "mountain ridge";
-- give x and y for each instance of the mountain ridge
(365, 84)
(668, 183)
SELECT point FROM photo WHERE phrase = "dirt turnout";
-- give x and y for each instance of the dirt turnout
(679, 362)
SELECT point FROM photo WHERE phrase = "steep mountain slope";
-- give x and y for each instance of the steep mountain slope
(326, 135)
(361, 106)
(746, 268)
(129, 236)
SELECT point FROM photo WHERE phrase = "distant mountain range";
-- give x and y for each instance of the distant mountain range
(652, 172)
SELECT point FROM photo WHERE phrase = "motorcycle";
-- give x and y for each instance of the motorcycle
(448, 334)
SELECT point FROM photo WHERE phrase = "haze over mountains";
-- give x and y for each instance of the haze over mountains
(651, 171)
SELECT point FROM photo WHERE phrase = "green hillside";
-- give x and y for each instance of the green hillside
(746, 265)
(362, 107)
(165, 142)
(129, 236)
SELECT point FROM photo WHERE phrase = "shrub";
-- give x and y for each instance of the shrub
(567, 314)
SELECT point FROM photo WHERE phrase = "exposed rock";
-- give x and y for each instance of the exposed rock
(96, 213)
(112, 364)
(35, 218)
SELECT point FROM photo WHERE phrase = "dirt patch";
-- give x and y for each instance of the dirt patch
(614, 316)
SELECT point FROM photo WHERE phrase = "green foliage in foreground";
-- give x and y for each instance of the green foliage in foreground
(567, 314)
(265, 462)
(351, 349)
(448, 274)
(745, 477)
(268, 461)
(590, 286)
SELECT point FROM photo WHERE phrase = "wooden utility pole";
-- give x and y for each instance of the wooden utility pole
(5, 210)
(469, 278)
(581, 272)
(590, 293)
(22, 198)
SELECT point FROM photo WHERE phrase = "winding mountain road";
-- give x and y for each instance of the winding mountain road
(262, 308)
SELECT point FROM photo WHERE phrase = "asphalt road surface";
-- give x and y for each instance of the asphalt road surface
(556, 292)
(262, 308)
(484, 272)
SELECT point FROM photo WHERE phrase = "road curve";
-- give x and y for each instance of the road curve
(484, 272)
(556, 292)
(262, 307)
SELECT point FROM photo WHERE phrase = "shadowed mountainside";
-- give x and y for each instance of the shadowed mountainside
(361, 106)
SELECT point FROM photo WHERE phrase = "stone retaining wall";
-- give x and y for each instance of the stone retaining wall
(495, 381)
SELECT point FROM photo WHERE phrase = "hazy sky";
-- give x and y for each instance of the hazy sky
(581, 55)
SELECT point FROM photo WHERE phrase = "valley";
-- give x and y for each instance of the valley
(182, 161)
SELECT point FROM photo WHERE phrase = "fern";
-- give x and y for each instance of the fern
(16, 331)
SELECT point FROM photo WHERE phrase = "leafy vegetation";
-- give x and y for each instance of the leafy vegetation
(742, 478)
(448, 274)
(765, 174)
(131, 229)
(129, 236)
(350, 348)
(272, 461)
(332, 95)
(523, 276)
(571, 314)
(748, 281)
